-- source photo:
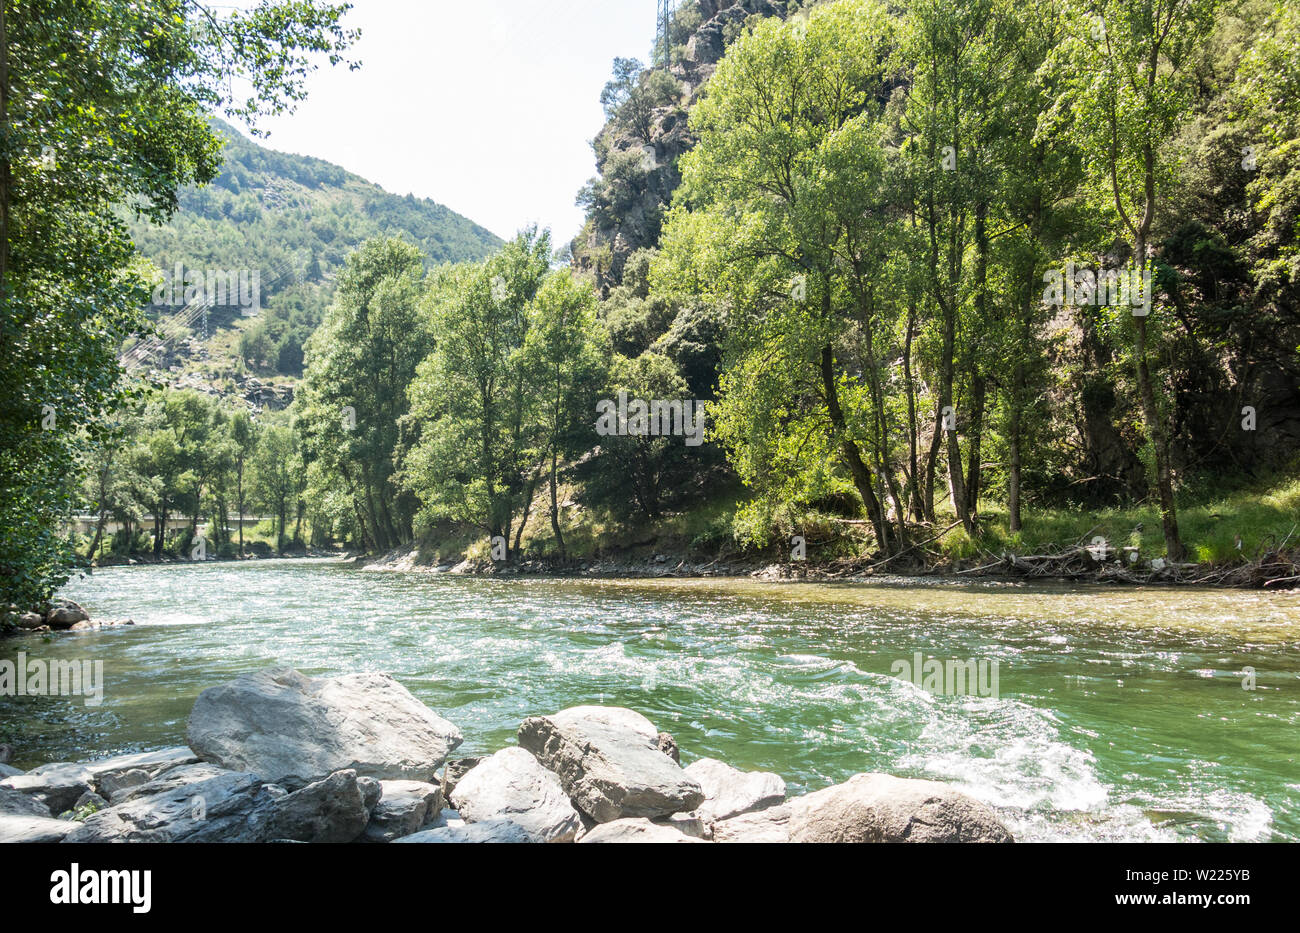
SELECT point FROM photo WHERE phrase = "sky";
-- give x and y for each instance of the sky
(486, 106)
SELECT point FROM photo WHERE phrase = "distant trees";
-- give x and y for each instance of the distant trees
(102, 104)
(354, 394)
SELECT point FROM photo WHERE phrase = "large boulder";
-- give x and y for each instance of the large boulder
(458, 831)
(513, 786)
(33, 829)
(64, 613)
(16, 803)
(332, 810)
(608, 760)
(227, 807)
(150, 762)
(636, 830)
(730, 792)
(870, 808)
(58, 787)
(404, 808)
(287, 727)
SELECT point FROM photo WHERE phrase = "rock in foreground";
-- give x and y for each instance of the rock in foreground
(729, 792)
(285, 726)
(512, 786)
(870, 808)
(636, 830)
(608, 760)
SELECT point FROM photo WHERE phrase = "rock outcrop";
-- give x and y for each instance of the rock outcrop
(290, 728)
(512, 786)
(729, 792)
(608, 760)
(870, 808)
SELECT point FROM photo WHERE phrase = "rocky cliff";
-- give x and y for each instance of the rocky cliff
(637, 158)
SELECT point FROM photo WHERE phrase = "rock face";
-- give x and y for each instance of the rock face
(404, 808)
(33, 829)
(56, 786)
(16, 803)
(458, 831)
(332, 810)
(636, 830)
(729, 792)
(282, 725)
(512, 786)
(228, 807)
(870, 808)
(608, 760)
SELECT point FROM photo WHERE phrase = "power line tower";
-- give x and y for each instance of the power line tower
(663, 44)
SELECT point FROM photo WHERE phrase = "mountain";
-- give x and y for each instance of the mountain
(279, 225)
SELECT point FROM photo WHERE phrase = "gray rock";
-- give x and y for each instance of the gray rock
(512, 786)
(730, 792)
(151, 762)
(171, 779)
(461, 832)
(31, 620)
(636, 830)
(56, 786)
(456, 769)
(9, 771)
(404, 808)
(227, 807)
(332, 810)
(770, 825)
(115, 786)
(870, 808)
(690, 824)
(371, 791)
(608, 760)
(16, 803)
(282, 725)
(33, 829)
(668, 745)
(64, 613)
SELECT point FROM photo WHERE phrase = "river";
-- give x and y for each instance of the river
(1120, 714)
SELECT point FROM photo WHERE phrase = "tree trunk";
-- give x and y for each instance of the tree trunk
(555, 507)
(858, 468)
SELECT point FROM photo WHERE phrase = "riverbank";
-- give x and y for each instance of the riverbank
(1099, 562)
(261, 763)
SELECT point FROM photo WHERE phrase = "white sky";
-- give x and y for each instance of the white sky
(486, 106)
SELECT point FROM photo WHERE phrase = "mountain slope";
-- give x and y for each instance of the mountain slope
(285, 223)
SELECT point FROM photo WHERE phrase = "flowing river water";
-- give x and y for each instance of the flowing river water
(1120, 714)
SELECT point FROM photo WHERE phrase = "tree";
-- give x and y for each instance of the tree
(1126, 86)
(104, 103)
(277, 475)
(564, 356)
(354, 395)
(477, 459)
(243, 437)
(784, 217)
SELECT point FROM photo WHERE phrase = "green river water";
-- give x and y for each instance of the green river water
(1120, 713)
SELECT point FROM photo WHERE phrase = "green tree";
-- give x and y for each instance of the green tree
(104, 103)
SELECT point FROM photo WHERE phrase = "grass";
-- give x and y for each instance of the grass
(1262, 516)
